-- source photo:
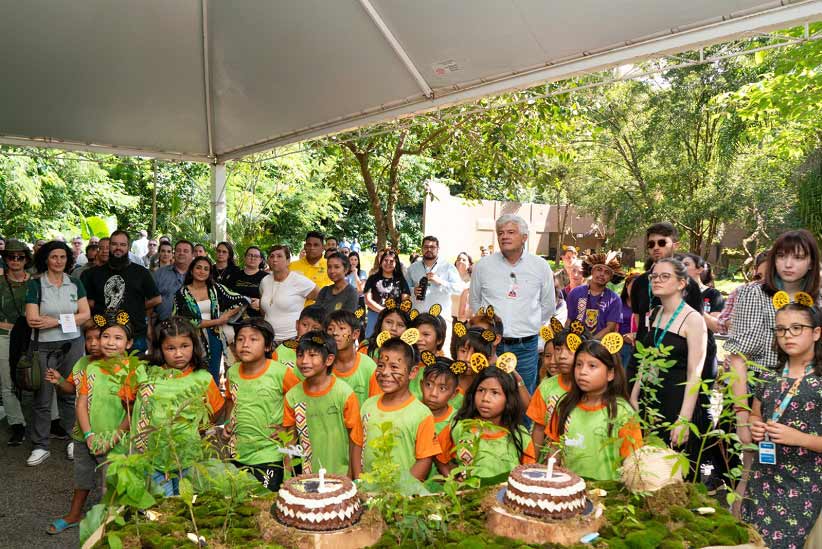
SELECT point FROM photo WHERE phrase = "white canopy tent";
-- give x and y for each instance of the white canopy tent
(213, 80)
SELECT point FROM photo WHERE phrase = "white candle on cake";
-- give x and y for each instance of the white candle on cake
(551, 462)
(322, 480)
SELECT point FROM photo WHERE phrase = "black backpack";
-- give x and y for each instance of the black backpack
(20, 335)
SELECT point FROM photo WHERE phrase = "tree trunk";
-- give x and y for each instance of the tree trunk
(373, 195)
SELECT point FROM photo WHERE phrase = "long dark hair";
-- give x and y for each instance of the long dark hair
(359, 268)
(230, 247)
(791, 242)
(372, 341)
(475, 340)
(513, 413)
(617, 387)
(397, 263)
(178, 326)
(190, 272)
(815, 317)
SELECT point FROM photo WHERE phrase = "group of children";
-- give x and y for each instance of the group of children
(329, 393)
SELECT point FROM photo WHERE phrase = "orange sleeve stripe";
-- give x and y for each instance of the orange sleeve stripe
(373, 386)
(552, 431)
(446, 445)
(215, 399)
(83, 390)
(290, 380)
(289, 420)
(529, 454)
(427, 444)
(537, 408)
(351, 419)
(631, 436)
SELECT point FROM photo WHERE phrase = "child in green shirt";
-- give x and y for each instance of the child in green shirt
(311, 318)
(356, 369)
(493, 397)
(324, 411)
(600, 426)
(255, 393)
(170, 393)
(99, 409)
(412, 421)
(432, 338)
(551, 389)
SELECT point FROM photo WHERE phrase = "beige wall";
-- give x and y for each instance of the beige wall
(463, 225)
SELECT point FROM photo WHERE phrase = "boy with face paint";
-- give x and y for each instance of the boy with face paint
(356, 369)
(412, 421)
(310, 319)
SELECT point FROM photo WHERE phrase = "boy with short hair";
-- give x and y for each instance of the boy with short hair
(412, 421)
(324, 411)
(356, 369)
(311, 318)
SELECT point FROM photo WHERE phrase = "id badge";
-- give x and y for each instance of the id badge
(513, 290)
(767, 453)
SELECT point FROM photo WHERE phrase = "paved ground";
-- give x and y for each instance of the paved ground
(31, 497)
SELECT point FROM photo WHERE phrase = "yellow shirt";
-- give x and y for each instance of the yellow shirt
(317, 273)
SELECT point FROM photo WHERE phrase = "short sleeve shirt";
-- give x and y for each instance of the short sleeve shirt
(382, 288)
(316, 273)
(324, 421)
(590, 451)
(413, 426)
(258, 405)
(346, 300)
(125, 289)
(282, 302)
(361, 378)
(545, 399)
(12, 301)
(56, 301)
(595, 311)
(498, 454)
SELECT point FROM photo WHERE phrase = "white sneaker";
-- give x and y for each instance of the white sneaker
(70, 451)
(38, 456)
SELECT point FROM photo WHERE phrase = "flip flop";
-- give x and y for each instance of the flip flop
(59, 525)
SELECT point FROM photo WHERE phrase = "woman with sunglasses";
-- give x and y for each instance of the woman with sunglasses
(16, 256)
(674, 324)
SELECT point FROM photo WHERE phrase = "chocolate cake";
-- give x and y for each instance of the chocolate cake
(532, 493)
(304, 503)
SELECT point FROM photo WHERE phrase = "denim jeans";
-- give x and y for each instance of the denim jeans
(215, 357)
(140, 343)
(527, 361)
(168, 486)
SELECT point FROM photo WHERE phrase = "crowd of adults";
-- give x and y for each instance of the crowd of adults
(56, 287)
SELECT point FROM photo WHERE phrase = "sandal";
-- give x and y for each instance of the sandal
(59, 525)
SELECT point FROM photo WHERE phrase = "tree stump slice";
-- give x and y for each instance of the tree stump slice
(355, 537)
(505, 523)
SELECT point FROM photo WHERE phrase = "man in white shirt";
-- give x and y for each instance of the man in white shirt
(442, 281)
(139, 248)
(520, 286)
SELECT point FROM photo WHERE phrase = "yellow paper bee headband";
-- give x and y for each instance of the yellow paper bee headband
(480, 340)
(487, 315)
(436, 322)
(113, 318)
(402, 308)
(408, 340)
(436, 366)
(319, 341)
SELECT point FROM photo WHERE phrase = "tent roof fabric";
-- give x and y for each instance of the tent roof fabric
(213, 80)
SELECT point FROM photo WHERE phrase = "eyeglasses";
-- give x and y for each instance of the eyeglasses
(793, 329)
(662, 277)
(662, 242)
(16, 257)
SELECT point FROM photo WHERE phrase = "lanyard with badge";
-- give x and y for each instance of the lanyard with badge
(767, 449)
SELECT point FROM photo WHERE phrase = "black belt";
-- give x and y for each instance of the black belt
(518, 340)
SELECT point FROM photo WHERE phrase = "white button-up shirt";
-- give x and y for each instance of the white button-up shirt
(522, 294)
(436, 293)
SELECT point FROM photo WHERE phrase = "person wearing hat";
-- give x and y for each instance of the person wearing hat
(16, 256)
(594, 304)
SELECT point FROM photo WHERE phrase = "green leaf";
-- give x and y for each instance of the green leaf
(114, 541)
(92, 521)
(186, 491)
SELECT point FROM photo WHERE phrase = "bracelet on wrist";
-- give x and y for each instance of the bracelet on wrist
(87, 434)
(61, 380)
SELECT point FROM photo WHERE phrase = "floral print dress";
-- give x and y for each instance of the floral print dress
(783, 501)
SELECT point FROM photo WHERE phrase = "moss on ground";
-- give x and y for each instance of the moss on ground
(664, 519)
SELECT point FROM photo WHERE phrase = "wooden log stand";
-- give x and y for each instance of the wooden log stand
(503, 522)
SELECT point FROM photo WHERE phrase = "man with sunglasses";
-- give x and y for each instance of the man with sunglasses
(661, 241)
(12, 306)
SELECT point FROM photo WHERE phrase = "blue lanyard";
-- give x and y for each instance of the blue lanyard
(658, 340)
(782, 405)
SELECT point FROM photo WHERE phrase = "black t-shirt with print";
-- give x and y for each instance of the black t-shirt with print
(382, 288)
(125, 289)
(247, 285)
